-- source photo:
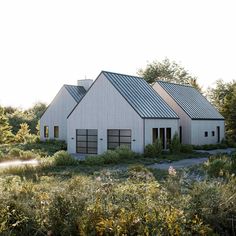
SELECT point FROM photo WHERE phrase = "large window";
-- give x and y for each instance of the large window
(46, 132)
(86, 141)
(168, 137)
(118, 137)
(56, 131)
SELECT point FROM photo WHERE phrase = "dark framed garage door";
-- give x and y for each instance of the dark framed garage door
(118, 137)
(86, 141)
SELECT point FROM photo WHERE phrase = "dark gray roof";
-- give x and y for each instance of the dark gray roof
(141, 96)
(191, 101)
(77, 92)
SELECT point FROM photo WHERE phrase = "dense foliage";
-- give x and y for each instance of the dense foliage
(223, 96)
(47, 200)
(169, 71)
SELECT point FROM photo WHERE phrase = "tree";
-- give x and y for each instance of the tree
(168, 71)
(223, 96)
(23, 133)
(6, 135)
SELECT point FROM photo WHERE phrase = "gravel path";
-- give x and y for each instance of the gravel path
(8, 164)
(179, 164)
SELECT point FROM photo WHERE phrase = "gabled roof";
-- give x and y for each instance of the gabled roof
(195, 105)
(141, 96)
(77, 92)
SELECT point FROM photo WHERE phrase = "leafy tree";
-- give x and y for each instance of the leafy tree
(223, 96)
(168, 71)
(6, 135)
(31, 117)
(23, 133)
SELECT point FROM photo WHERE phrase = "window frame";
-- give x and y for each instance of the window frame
(46, 131)
(119, 137)
(206, 134)
(56, 131)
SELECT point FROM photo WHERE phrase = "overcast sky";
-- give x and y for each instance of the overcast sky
(45, 44)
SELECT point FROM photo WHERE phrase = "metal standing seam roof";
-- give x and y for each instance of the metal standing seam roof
(141, 96)
(77, 92)
(191, 101)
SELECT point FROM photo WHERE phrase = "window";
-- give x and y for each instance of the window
(168, 137)
(56, 131)
(46, 132)
(213, 133)
(86, 141)
(118, 137)
(162, 137)
(206, 134)
(154, 134)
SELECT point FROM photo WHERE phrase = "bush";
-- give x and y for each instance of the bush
(153, 150)
(1, 154)
(150, 151)
(186, 148)
(62, 158)
(28, 155)
(94, 160)
(124, 152)
(220, 166)
(215, 203)
(14, 152)
(175, 145)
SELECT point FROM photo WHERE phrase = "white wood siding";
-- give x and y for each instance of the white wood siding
(185, 120)
(102, 108)
(159, 123)
(56, 115)
(199, 127)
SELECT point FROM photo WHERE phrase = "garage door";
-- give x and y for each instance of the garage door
(86, 141)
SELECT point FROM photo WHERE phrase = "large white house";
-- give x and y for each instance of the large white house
(120, 110)
(200, 122)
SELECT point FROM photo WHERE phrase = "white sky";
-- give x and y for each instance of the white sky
(45, 44)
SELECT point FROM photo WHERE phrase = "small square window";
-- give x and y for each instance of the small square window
(213, 133)
(206, 134)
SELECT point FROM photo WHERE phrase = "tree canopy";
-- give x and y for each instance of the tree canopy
(223, 96)
(169, 71)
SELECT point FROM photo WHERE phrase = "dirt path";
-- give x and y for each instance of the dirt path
(8, 164)
(179, 164)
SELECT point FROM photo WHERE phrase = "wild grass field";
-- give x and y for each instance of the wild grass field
(115, 196)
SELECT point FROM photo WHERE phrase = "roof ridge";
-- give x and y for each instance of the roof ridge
(167, 82)
(110, 72)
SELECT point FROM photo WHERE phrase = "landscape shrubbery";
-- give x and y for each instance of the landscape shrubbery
(118, 202)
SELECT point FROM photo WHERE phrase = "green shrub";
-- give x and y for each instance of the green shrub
(175, 145)
(221, 165)
(215, 203)
(153, 150)
(62, 158)
(1, 154)
(110, 156)
(158, 146)
(150, 151)
(94, 160)
(124, 152)
(28, 155)
(186, 148)
(14, 152)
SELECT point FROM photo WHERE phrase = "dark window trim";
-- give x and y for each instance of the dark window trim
(119, 138)
(86, 142)
(206, 134)
(56, 136)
